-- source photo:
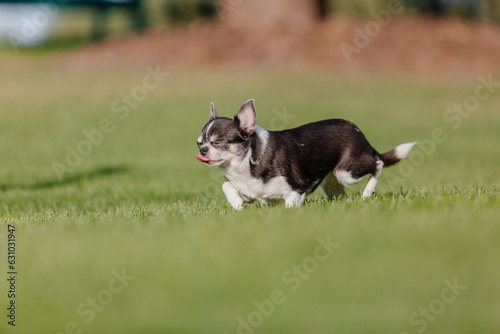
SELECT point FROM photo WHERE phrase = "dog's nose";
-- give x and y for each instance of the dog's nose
(203, 150)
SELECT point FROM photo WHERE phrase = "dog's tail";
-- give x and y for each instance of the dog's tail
(397, 154)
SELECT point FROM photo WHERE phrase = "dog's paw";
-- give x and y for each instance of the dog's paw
(232, 196)
(368, 193)
(237, 207)
(294, 200)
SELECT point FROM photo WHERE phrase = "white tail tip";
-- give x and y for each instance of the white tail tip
(403, 150)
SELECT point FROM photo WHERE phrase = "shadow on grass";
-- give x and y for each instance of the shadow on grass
(77, 177)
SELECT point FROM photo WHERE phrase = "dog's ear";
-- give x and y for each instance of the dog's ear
(213, 112)
(246, 117)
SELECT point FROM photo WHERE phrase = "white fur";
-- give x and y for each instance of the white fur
(250, 188)
(402, 151)
(345, 178)
(263, 135)
(232, 196)
(372, 182)
(210, 126)
(294, 199)
(200, 138)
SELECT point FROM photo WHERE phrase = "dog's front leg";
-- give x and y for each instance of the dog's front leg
(294, 199)
(232, 195)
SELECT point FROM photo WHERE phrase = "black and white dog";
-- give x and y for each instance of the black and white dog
(286, 165)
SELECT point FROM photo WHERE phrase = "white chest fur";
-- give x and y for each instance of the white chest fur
(251, 188)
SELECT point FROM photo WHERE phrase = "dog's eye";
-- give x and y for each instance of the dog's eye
(216, 142)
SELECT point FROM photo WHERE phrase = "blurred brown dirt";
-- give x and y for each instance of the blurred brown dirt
(407, 45)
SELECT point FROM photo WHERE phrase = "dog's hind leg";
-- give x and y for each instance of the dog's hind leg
(372, 182)
(332, 187)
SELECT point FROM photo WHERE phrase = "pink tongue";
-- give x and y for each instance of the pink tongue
(202, 159)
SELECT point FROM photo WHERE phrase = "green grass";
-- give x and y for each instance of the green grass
(141, 202)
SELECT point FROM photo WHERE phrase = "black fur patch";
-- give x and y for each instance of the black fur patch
(305, 155)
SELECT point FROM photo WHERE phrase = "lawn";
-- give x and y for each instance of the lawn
(120, 230)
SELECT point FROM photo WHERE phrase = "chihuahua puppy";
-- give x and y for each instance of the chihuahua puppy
(285, 165)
